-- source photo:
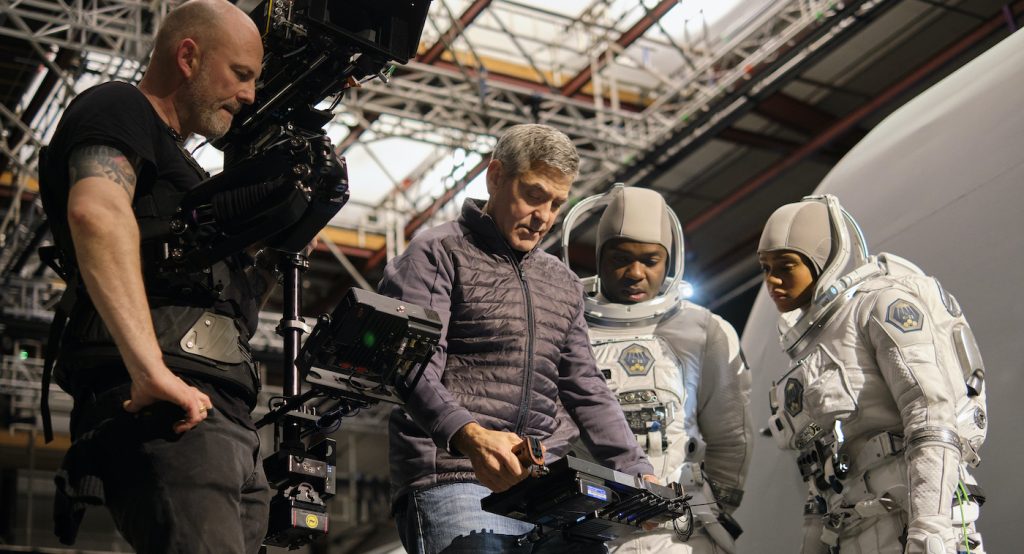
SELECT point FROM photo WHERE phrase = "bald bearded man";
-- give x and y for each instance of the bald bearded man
(175, 474)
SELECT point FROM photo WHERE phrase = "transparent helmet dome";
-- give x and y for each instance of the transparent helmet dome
(602, 312)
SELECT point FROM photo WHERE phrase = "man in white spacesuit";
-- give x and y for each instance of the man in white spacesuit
(675, 367)
(885, 398)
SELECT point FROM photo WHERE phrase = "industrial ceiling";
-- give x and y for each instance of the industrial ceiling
(728, 108)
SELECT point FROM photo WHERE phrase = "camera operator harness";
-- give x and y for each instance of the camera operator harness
(282, 183)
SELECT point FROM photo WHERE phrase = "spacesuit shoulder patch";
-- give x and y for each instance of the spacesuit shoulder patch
(637, 360)
(905, 316)
(794, 397)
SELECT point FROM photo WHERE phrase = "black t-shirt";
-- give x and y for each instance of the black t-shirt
(118, 115)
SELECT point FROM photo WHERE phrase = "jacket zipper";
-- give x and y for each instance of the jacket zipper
(524, 403)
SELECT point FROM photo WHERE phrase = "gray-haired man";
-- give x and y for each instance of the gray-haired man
(515, 357)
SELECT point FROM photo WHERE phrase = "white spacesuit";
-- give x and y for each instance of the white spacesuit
(679, 375)
(885, 398)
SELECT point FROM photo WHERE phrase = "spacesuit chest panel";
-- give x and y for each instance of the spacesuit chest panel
(648, 379)
(808, 400)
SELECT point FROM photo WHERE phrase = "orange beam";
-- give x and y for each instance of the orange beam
(434, 52)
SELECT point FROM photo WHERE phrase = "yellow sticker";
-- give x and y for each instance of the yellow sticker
(312, 521)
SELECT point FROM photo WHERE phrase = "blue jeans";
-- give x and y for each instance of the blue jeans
(448, 519)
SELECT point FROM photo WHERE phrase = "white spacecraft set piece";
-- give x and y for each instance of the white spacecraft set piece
(941, 182)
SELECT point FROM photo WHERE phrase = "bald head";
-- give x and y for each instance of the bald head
(206, 60)
(207, 22)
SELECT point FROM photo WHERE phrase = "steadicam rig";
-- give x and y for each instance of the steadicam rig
(280, 199)
(282, 183)
(370, 349)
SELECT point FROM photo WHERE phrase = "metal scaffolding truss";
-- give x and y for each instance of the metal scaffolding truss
(121, 28)
(29, 137)
(19, 382)
(449, 100)
(445, 106)
(112, 37)
(29, 300)
(620, 111)
(766, 51)
(454, 151)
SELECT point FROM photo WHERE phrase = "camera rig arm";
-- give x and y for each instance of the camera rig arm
(282, 183)
(280, 199)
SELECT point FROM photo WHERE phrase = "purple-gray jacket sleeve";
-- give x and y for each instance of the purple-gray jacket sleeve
(423, 276)
(592, 406)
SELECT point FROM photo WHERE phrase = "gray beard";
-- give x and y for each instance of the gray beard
(202, 112)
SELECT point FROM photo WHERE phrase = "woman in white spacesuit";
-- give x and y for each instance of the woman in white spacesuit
(675, 367)
(884, 400)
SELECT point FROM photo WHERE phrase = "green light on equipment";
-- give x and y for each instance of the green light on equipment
(24, 354)
(369, 339)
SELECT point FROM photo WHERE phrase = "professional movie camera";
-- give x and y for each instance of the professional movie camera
(282, 183)
(587, 502)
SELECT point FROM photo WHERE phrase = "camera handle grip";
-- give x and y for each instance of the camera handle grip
(531, 456)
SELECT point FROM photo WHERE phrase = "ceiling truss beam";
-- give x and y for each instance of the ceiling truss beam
(850, 121)
(584, 76)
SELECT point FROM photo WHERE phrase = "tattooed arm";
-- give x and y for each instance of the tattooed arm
(106, 238)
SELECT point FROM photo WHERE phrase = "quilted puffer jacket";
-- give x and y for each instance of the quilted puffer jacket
(514, 355)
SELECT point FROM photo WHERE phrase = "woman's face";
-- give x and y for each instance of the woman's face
(788, 278)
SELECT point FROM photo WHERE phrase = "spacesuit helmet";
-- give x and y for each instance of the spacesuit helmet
(801, 227)
(824, 233)
(635, 225)
(628, 214)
